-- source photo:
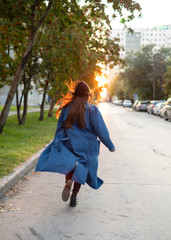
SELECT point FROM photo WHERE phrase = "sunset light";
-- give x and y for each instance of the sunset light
(102, 82)
(103, 93)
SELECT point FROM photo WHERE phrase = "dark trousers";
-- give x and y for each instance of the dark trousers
(77, 185)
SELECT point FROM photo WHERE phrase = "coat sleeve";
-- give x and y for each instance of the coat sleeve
(99, 128)
(60, 121)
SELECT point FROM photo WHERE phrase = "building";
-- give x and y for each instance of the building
(34, 96)
(132, 42)
(160, 36)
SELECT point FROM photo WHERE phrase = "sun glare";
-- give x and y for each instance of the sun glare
(102, 82)
(103, 93)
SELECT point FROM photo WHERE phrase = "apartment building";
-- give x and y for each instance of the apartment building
(160, 36)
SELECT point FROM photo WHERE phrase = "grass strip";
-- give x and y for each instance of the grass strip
(19, 142)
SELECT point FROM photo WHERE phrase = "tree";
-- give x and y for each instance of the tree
(86, 41)
(167, 82)
(118, 88)
(35, 26)
(160, 64)
(31, 70)
(143, 73)
(82, 35)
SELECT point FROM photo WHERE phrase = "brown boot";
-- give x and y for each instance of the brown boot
(66, 191)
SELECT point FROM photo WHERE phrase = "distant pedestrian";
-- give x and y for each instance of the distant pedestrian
(75, 148)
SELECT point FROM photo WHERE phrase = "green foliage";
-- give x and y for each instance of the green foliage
(69, 45)
(118, 88)
(16, 24)
(167, 82)
(74, 38)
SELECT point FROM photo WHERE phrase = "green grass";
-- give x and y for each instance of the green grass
(18, 143)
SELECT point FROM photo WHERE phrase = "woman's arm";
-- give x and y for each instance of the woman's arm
(60, 121)
(99, 128)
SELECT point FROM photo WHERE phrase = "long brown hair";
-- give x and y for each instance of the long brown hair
(77, 106)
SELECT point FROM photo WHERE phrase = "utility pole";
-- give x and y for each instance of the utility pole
(154, 78)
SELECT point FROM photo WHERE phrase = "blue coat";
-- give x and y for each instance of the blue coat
(77, 148)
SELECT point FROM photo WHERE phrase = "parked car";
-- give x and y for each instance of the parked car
(157, 108)
(127, 103)
(142, 105)
(166, 111)
(134, 105)
(151, 106)
(118, 102)
(162, 110)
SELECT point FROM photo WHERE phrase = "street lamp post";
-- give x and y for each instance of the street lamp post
(154, 78)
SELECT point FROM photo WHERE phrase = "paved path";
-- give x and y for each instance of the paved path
(133, 204)
(28, 111)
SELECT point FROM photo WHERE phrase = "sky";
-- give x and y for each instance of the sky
(154, 13)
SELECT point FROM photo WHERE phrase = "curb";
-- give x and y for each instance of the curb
(19, 172)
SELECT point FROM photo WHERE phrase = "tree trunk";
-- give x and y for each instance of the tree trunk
(25, 107)
(43, 102)
(52, 104)
(18, 105)
(20, 69)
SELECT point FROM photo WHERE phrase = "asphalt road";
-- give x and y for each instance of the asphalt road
(134, 202)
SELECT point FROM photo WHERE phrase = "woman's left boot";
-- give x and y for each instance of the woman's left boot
(73, 200)
(66, 190)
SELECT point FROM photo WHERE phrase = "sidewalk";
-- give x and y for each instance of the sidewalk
(28, 111)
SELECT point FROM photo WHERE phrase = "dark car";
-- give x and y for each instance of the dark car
(151, 106)
(142, 105)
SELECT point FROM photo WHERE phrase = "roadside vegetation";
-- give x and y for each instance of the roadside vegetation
(18, 143)
(44, 44)
(146, 74)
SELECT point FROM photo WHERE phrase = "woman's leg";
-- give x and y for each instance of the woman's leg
(76, 187)
(73, 200)
(69, 176)
(67, 187)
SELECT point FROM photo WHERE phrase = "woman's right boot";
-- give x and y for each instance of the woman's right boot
(73, 200)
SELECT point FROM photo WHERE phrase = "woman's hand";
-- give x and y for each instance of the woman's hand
(112, 150)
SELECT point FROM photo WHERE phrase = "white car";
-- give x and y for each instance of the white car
(127, 103)
(157, 108)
